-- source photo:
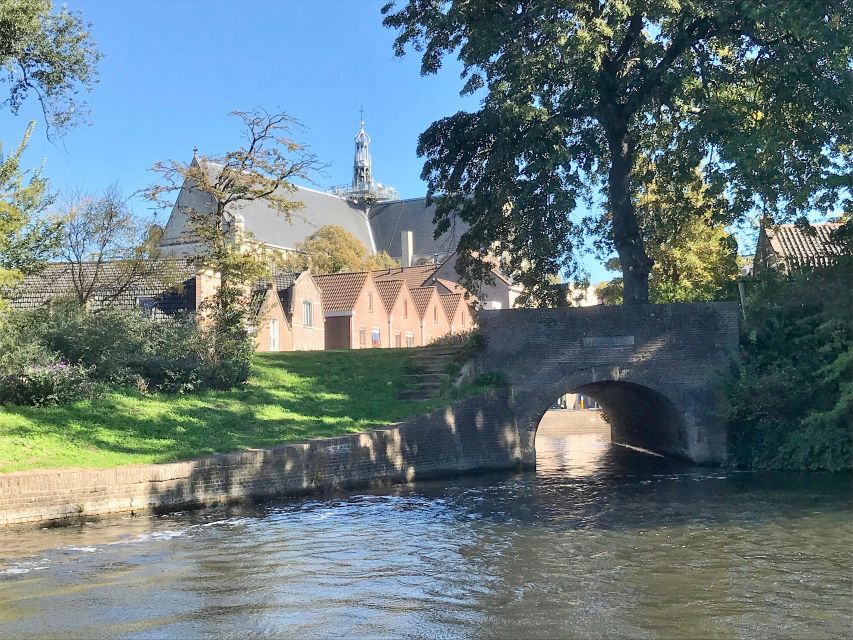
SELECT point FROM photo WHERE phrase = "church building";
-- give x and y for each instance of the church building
(372, 212)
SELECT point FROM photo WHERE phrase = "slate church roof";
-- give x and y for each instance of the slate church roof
(377, 226)
(388, 219)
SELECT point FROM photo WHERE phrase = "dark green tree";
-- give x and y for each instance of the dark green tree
(753, 92)
(47, 52)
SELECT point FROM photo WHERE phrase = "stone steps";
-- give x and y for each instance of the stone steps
(429, 372)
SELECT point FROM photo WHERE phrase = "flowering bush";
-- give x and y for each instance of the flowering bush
(43, 384)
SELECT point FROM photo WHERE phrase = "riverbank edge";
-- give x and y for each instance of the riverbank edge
(476, 434)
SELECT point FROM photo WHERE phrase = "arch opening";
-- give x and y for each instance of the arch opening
(634, 414)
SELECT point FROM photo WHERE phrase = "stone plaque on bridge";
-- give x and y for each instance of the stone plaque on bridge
(609, 341)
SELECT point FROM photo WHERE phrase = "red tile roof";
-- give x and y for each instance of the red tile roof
(450, 302)
(412, 276)
(421, 297)
(803, 247)
(340, 290)
(389, 290)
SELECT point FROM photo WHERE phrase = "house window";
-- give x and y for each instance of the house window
(405, 308)
(273, 334)
(307, 313)
(375, 338)
(398, 339)
(370, 302)
(147, 305)
(362, 337)
(463, 320)
(435, 314)
(410, 339)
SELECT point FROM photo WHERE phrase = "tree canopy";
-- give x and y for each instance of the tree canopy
(694, 257)
(49, 53)
(27, 239)
(754, 93)
(333, 249)
(262, 169)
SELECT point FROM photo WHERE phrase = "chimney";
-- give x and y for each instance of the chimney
(408, 246)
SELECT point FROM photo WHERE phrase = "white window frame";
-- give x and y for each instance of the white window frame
(410, 337)
(375, 330)
(307, 313)
(362, 333)
(274, 336)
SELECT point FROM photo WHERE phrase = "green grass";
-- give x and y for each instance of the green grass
(291, 396)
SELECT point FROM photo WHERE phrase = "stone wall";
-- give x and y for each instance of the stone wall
(473, 435)
(653, 368)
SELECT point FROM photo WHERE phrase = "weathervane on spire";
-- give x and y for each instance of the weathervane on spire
(361, 113)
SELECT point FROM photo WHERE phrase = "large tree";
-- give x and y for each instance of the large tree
(50, 53)
(262, 169)
(694, 256)
(753, 92)
(333, 249)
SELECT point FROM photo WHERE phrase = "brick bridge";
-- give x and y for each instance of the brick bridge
(652, 368)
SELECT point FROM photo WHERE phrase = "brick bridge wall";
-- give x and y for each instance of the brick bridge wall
(473, 435)
(651, 367)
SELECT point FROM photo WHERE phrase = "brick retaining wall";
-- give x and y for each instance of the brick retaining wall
(476, 434)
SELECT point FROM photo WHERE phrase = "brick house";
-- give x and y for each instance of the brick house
(353, 311)
(790, 246)
(289, 313)
(457, 311)
(433, 320)
(500, 294)
(403, 320)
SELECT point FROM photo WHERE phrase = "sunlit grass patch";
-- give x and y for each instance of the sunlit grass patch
(290, 396)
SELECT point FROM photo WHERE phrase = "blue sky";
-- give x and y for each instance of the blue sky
(174, 69)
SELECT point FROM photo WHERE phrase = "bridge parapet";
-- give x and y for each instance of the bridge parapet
(652, 367)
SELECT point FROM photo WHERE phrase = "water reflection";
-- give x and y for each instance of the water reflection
(599, 541)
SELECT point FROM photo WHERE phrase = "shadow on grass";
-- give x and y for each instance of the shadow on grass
(291, 397)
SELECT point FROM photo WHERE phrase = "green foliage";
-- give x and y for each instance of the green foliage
(789, 400)
(755, 94)
(263, 169)
(123, 348)
(50, 53)
(333, 249)
(26, 239)
(290, 397)
(47, 384)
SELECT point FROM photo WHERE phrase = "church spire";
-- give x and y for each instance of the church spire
(362, 170)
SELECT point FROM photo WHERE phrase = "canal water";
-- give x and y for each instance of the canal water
(599, 541)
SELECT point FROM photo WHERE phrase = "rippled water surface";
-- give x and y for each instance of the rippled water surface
(600, 541)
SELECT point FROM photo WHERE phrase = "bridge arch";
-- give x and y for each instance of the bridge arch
(642, 409)
(644, 364)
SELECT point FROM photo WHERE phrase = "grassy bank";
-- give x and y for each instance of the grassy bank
(291, 396)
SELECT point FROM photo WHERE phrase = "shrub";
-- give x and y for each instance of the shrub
(124, 348)
(55, 383)
(789, 397)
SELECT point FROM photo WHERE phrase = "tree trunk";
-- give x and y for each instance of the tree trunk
(636, 265)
